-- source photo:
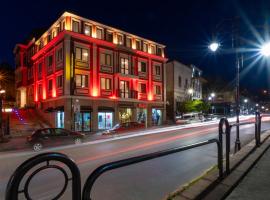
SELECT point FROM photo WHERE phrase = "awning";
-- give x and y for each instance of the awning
(104, 108)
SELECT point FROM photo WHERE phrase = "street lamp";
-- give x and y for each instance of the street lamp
(213, 94)
(214, 46)
(265, 49)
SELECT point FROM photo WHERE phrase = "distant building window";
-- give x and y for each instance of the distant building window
(109, 36)
(145, 47)
(81, 80)
(105, 59)
(99, 33)
(124, 66)
(49, 63)
(81, 54)
(120, 39)
(138, 44)
(128, 42)
(153, 49)
(105, 83)
(157, 70)
(141, 66)
(59, 55)
(157, 90)
(179, 81)
(50, 85)
(75, 26)
(186, 83)
(87, 30)
(39, 69)
(159, 51)
(143, 88)
(59, 81)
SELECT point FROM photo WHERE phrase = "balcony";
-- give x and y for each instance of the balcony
(128, 94)
(106, 69)
(105, 93)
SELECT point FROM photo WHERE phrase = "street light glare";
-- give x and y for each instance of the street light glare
(265, 49)
(213, 94)
(214, 46)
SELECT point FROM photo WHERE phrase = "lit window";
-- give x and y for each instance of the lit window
(141, 66)
(157, 70)
(124, 66)
(59, 55)
(81, 80)
(105, 83)
(153, 49)
(120, 39)
(87, 30)
(145, 47)
(81, 54)
(75, 26)
(128, 42)
(109, 36)
(138, 44)
(99, 33)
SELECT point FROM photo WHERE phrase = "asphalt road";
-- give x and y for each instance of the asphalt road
(150, 180)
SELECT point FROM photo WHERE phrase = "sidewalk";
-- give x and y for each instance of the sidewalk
(256, 184)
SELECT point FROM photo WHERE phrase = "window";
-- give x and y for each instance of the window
(109, 36)
(141, 66)
(179, 81)
(75, 26)
(30, 72)
(157, 69)
(105, 59)
(128, 42)
(63, 25)
(138, 44)
(39, 90)
(120, 39)
(159, 51)
(81, 80)
(59, 81)
(124, 66)
(105, 83)
(81, 54)
(50, 85)
(49, 62)
(153, 49)
(87, 30)
(124, 89)
(157, 90)
(143, 88)
(99, 33)
(186, 84)
(59, 55)
(145, 47)
(39, 69)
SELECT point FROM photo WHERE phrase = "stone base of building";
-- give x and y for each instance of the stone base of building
(91, 115)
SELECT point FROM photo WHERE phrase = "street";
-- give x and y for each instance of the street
(152, 179)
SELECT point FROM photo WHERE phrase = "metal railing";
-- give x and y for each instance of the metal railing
(225, 123)
(13, 188)
(15, 181)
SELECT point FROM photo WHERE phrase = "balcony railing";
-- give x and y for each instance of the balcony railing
(127, 94)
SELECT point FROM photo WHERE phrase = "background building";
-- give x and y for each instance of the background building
(86, 76)
(183, 82)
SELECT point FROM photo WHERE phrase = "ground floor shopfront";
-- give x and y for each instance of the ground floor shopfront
(86, 115)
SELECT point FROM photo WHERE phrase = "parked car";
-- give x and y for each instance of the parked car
(190, 118)
(122, 127)
(53, 137)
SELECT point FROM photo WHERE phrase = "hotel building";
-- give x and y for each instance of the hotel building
(86, 76)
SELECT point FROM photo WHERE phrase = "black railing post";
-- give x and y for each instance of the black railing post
(228, 148)
(220, 159)
(227, 132)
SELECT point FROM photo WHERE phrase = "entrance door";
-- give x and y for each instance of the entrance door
(105, 120)
(83, 121)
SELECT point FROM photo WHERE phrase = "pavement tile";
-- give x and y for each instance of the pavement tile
(232, 178)
(217, 192)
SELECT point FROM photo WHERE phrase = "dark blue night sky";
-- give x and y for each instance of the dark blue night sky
(185, 27)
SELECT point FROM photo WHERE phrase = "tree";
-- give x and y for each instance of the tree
(194, 106)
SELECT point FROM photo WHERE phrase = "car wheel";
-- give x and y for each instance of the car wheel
(37, 146)
(78, 140)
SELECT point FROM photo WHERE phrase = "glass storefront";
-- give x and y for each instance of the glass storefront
(60, 119)
(141, 115)
(125, 115)
(83, 121)
(105, 120)
(156, 117)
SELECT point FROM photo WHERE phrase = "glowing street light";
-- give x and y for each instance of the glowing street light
(214, 46)
(209, 98)
(265, 50)
(190, 91)
(2, 91)
(262, 107)
(257, 105)
(245, 100)
(213, 94)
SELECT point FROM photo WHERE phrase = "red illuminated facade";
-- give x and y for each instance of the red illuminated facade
(86, 76)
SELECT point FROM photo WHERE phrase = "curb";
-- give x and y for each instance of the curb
(210, 187)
